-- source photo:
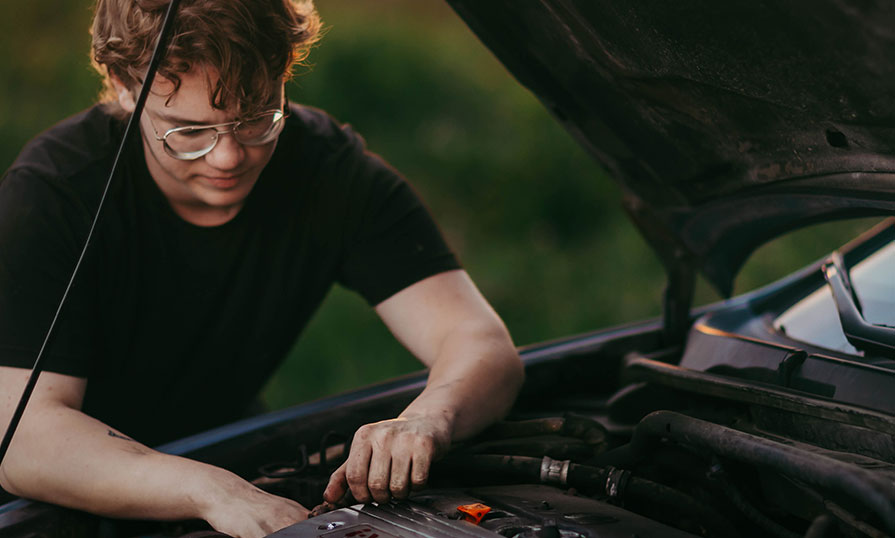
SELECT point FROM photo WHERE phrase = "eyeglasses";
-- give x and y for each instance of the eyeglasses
(193, 141)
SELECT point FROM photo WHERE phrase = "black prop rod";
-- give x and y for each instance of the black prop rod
(866, 336)
(36, 369)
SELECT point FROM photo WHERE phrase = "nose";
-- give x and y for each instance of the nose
(227, 154)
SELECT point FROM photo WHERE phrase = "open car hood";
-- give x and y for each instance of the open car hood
(727, 123)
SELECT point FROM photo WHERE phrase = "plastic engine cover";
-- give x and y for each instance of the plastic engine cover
(525, 511)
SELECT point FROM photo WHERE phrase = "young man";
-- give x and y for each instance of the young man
(229, 221)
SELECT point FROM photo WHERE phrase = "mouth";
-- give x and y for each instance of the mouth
(221, 182)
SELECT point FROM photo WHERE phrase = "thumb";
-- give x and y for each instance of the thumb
(337, 487)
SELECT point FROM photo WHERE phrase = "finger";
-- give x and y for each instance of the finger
(423, 455)
(399, 480)
(337, 486)
(380, 469)
(357, 468)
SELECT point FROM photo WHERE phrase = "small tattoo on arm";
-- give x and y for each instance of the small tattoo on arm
(119, 436)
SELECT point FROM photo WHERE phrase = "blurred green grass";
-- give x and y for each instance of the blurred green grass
(536, 223)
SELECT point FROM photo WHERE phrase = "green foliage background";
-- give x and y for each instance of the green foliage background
(536, 223)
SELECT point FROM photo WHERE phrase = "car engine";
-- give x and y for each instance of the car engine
(673, 452)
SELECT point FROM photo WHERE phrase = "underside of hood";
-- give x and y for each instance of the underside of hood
(727, 123)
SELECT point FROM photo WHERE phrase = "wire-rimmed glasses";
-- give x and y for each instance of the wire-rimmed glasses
(193, 141)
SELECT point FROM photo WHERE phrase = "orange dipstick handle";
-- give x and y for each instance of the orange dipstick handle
(474, 513)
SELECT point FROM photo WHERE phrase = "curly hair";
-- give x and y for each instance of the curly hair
(251, 44)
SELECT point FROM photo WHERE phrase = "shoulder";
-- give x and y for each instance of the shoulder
(70, 146)
(337, 179)
(317, 134)
(317, 123)
(328, 156)
(65, 164)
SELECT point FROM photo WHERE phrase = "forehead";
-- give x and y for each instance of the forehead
(191, 101)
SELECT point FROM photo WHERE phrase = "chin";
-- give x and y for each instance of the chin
(223, 194)
(224, 201)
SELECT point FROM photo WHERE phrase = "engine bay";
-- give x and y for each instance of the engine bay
(613, 435)
(730, 473)
(673, 452)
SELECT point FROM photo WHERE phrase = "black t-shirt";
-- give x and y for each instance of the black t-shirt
(177, 326)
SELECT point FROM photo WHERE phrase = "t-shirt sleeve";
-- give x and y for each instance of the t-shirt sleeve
(391, 240)
(41, 229)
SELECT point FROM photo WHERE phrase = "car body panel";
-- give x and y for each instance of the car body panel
(728, 123)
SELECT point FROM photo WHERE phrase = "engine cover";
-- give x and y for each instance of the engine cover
(522, 511)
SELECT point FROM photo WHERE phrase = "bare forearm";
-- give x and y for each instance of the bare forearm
(62, 456)
(474, 376)
(474, 382)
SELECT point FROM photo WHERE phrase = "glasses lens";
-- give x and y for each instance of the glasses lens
(260, 129)
(191, 141)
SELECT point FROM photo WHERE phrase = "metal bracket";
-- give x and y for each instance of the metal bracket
(789, 364)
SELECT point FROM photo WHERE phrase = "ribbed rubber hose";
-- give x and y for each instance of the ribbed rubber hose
(874, 492)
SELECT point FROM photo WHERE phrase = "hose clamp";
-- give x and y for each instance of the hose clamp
(554, 471)
(616, 482)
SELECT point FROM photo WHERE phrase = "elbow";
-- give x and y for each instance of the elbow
(515, 380)
(512, 370)
(14, 474)
(515, 366)
(506, 357)
(23, 466)
(13, 478)
(515, 373)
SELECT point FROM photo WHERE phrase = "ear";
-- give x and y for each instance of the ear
(125, 95)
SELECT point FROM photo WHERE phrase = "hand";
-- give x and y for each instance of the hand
(244, 511)
(389, 458)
